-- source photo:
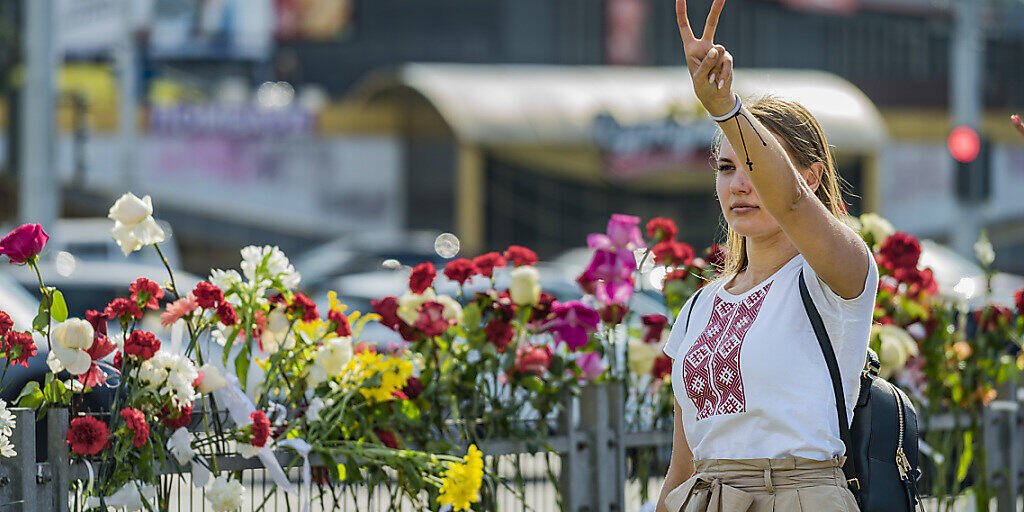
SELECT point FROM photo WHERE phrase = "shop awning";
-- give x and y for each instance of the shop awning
(551, 105)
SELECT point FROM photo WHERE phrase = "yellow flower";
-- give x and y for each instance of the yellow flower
(394, 372)
(461, 484)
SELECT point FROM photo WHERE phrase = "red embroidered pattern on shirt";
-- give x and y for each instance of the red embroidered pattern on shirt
(711, 368)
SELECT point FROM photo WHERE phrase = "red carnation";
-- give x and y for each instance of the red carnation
(19, 347)
(542, 308)
(988, 317)
(715, 256)
(671, 252)
(176, 419)
(342, 328)
(460, 270)
(136, 421)
(260, 428)
(535, 359)
(499, 333)
(117, 361)
(146, 293)
(660, 228)
(387, 437)
(520, 255)
(142, 345)
(87, 435)
(413, 387)
(675, 275)
(486, 263)
(1019, 299)
(387, 308)
(123, 309)
(917, 280)
(900, 251)
(303, 308)
(6, 324)
(422, 277)
(207, 295)
(226, 313)
(662, 367)
(432, 321)
(655, 325)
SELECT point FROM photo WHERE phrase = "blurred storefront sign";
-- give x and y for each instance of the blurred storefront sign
(631, 151)
(624, 32)
(227, 121)
(313, 20)
(829, 6)
(231, 29)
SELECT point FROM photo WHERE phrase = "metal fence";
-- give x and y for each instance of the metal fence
(590, 466)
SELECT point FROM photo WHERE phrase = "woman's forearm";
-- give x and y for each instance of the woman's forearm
(673, 478)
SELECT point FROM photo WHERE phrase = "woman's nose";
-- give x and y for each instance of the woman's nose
(740, 183)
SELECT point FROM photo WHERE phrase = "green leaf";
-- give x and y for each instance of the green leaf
(533, 384)
(966, 457)
(410, 410)
(353, 475)
(40, 322)
(59, 311)
(31, 396)
(232, 336)
(242, 365)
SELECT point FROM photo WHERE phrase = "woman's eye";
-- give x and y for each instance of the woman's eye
(723, 168)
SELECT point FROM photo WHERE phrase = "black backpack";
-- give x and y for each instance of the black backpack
(882, 445)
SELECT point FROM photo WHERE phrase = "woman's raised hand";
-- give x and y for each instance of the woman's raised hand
(1017, 123)
(710, 64)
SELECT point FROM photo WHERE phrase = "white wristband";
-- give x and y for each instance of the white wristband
(732, 113)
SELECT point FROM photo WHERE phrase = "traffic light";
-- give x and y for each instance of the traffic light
(971, 157)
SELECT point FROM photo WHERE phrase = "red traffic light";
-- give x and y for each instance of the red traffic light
(964, 144)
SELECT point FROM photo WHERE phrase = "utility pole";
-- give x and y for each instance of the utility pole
(965, 71)
(39, 189)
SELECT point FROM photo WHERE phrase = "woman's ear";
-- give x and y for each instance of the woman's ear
(812, 175)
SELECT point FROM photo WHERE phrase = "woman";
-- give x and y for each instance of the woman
(756, 425)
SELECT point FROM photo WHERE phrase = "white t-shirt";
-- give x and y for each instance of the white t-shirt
(749, 374)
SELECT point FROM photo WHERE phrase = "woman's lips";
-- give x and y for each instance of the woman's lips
(743, 209)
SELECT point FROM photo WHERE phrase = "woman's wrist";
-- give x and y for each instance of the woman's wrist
(722, 107)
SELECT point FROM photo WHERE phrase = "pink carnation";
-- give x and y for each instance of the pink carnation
(179, 309)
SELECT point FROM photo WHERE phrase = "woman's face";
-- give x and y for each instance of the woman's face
(740, 204)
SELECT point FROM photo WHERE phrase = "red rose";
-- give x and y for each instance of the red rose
(24, 244)
(672, 253)
(660, 228)
(520, 255)
(100, 345)
(499, 333)
(533, 359)
(142, 345)
(1019, 299)
(413, 387)
(303, 308)
(136, 422)
(542, 308)
(260, 428)
(486, 263)
(340, 321)
(655, 325)
(387, 308)
(207, 295)
(432, 321)
(176, 419)
(226, 313)
(387, 437)
(662, 367)
(87, 435)
(123, 309)
(917, 280)
(6, 324)
(900, 250)
(715, 256)
(146, 293)
(460, 270)
(422, 277)
(19, 347)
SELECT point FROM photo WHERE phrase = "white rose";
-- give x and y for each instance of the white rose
(212, 380)
(69, 339)
(452, 309)
(334, 355)
(224, 495)
(180, 445)
(642, 356)
(877, 226)
(896, 346)
(277, 333)
(129, 209)
(984, 252)
(409, 305)
(525, 287)
(134, 225)
(246, 450)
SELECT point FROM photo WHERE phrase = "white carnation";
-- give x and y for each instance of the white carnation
(180, 445)
(224, 495)
(171, 375)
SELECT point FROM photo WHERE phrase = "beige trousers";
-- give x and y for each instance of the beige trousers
(793, 484)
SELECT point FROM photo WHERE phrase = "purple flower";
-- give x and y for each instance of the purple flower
(24, 243)
(572, 321)
(617, 291)
(590, 364)
(623, 234)
(609, 276)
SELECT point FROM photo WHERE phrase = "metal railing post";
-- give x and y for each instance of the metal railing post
(19, 472)
(616, 396)
(575, 479)
(57, 458)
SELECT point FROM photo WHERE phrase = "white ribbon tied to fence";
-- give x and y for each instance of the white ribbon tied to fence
(302, 448)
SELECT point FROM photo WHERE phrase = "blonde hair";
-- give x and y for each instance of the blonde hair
(804, 140)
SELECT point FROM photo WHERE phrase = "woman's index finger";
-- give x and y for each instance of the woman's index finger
(712, 23)
(684, 23)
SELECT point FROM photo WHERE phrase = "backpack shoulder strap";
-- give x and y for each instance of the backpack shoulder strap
(686, 326)
(830, 361)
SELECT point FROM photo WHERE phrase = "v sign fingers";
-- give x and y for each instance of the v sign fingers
(712, 23)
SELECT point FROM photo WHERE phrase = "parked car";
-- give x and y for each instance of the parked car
(364, 252)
